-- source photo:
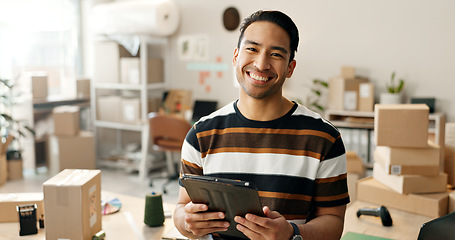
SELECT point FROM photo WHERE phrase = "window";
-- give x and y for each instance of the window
(41, 35)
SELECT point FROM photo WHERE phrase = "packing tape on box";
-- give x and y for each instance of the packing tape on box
(154, 213)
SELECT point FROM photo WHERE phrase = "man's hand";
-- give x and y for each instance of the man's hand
(272, 226)
(199, 222)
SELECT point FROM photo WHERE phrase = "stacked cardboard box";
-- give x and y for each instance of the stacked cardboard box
(449, 152)
(406, 166)
(69, 146)
(350, 92)
(72, 204)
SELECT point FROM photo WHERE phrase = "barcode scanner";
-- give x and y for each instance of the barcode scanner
(377, 212)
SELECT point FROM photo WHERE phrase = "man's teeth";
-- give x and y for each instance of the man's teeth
(259, 78)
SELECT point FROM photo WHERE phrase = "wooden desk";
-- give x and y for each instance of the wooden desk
(405, 225)
(128, 223)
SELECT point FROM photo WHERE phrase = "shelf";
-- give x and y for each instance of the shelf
(125, 86)
(120, 126)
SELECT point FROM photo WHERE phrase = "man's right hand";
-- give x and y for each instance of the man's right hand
(199, 222)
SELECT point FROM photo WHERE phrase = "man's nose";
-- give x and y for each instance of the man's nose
(262, 62)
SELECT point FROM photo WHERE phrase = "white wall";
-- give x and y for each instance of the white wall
(415, 38)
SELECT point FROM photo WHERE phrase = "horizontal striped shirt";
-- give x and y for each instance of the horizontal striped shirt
(297, 162)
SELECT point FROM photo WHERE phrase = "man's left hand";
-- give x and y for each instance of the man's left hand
(271, 227)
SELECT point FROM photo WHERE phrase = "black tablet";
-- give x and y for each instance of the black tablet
(234, 198)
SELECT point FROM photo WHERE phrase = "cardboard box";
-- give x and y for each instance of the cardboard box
(3, 163)
(72, 152)
(449, 164)
(66, 120)
(401, 125)
(109, 109)
(9, 201)
(451, 202)
(72, 204)
(130, 70)
(343, 93)
(83, 88)
(347, 72)
(355, 163)
(406, 184)
(131, 110)
(107, 61)
(155, 71)
(366, 97)
(39, 85)
(409, 161)
(15, 169)
(431, 204)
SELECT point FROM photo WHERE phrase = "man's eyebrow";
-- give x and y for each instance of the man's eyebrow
(281, 49)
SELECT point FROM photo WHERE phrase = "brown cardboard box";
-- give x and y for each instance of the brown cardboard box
(430, 204)
(3, 169)
(366, 97)
(343, 93)
(355, 163)
(109, 109)
(401, 125)
(39, 85)
(409, 161)
(15, 168)
(66, 120)
(155, 70)
(9, 201)
(451, 202)
(131, 110)
(72, 152)
(83, 88)
(72, 204)
(406, 184)
(347, 72)
(449, 164)
(107, 61)
(3, 163)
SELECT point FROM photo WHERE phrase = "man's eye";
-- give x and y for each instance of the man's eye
(251, 49)
(277, 55)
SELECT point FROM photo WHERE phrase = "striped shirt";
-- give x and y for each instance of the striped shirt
(297, 162)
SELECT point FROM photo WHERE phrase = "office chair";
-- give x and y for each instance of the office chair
(167, 133)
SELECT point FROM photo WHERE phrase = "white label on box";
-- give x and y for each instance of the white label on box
(364, 90)
(129, 113)
(395, 169)
(92, 203)
(350, 100)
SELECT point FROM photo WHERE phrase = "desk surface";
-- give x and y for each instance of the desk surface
(128, 222)
(125, 224)
(405, 225)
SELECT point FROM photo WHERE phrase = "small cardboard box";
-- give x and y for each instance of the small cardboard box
(130, 70)
(155, 69)
(39, 86)
(72, 152)
(406, 184)
(66, 120)
(107, 61)
(9, 201)
(431, 204)
(347, 72)
(401, 125)
(72, 204)
(109, 109)
(452, 202)
(131, 110)
(355, 163)
(15, 169)
(83, 88)
(449, 164)
(409, 161)
(366, 97)
(343, 93)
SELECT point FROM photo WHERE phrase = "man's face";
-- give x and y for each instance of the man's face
(262, 61)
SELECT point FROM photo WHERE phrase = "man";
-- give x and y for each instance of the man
(295, 158)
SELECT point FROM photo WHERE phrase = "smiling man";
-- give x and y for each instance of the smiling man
(294, 157)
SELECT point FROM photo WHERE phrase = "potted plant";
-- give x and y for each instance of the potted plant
(394, 91)
(10, 129)
(313, 99)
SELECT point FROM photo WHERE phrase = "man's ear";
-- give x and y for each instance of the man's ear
(291, 68)
(235, 57)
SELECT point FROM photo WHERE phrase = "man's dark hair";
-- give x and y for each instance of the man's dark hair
(280, 19)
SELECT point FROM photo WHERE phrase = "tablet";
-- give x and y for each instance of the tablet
(234, 198)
